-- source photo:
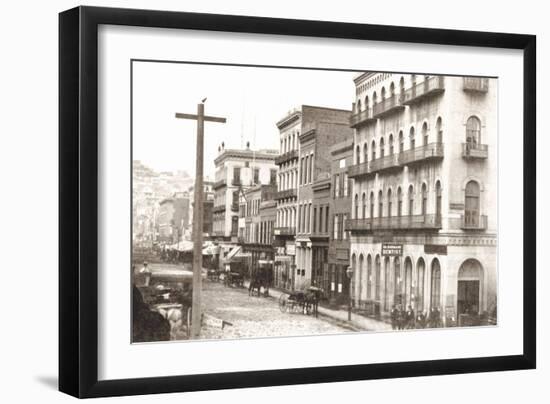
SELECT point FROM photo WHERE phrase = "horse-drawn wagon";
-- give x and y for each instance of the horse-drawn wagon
(301, 301)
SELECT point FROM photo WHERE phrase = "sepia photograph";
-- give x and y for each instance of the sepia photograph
(285, 201)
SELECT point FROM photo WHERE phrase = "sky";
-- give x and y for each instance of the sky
(252, 99)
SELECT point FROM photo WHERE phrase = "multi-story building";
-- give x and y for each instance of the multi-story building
(207, 207)
(236, 171)
(423, 226)
(320, 227)
(306, 135)
(173, 217)
(256, 225)
(340, 208)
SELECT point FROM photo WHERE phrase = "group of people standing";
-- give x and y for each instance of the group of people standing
(402, 319)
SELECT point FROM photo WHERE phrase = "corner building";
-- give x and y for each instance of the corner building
(424, 219)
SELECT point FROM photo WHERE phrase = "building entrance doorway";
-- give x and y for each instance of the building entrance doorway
(468, 297)
(469, 288)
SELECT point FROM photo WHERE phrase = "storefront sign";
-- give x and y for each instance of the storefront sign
(392, 249)
(435, 249)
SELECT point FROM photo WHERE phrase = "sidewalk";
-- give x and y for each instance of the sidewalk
(361, 323)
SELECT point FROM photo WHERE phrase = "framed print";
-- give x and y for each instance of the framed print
(275, 202)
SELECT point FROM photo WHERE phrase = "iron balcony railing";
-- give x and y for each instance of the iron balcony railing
(429, 87)
(387, 106)
(284, 231)
(374, 166)
(361, 118)
(475, 150)
(475, 84)
(421, 153)
(413, 222)
(473, 222)
(219, 184)
(287, 193)
(288, 156)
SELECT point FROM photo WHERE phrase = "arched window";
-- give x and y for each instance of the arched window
(373, 150)
(364, 205)
(358, 106)
(383, 94)
(371, 210)
(380, 204)
(357, 155)
(424, 199)
(473, 131)
(435, 286)
(420, 271)
(402, 86)
(378, 281)
(438, 200)
(471, 205)
(413, 80)
(367, 103)
(382, 148)
(365, 153)
(399, 202)
(411, 200)
(389, 202)
(390, 144)
(392, 89)
(439, 130)
(401, 142)
(374, 99)
(411, 138)
(425, 134)
(369, 276)
(356, 204)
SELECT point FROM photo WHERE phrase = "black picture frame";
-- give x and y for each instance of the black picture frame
(78, 201)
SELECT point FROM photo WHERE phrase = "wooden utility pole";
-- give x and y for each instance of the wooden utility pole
(198, 214)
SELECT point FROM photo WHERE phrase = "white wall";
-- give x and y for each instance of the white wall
(28, 162)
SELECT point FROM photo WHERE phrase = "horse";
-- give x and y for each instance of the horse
(256, 283)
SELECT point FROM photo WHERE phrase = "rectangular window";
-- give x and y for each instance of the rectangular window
(335, 227)
(315, 220)
(273, 176)
(346, 184)
(326, 220)
(345, 234)
(256, 176)
(236, 175)
(321, 219)
(337, 186)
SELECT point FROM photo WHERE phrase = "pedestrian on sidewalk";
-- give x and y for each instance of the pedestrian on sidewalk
(394, 315)
(409, 317)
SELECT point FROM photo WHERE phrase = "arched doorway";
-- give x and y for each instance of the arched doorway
(469, 287)
(386, 283)
(396, 281)
(360, 278)
(369, 277)
(408, 282)
(352, 279)
(435, 287)
(420, 276)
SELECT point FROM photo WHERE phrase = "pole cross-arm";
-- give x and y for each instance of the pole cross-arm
(181, 115)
